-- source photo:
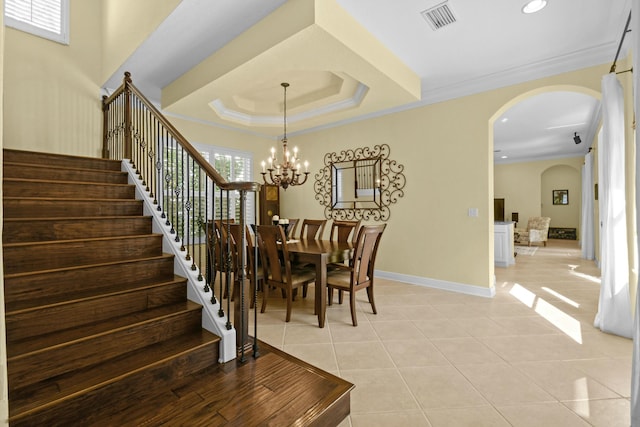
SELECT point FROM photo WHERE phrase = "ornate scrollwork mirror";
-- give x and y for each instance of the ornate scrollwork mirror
(359, 184)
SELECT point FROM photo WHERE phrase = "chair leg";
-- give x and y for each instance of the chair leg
(329, 296)
(352, 300)
(340, 296)
(371, 299)
(304, 290)
(289, 304)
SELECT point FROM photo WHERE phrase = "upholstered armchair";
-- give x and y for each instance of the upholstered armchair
(537, 231)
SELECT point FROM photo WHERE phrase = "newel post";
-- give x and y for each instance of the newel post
(127, 116)
(105, 127)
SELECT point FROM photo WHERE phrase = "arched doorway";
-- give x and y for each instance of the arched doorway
(519, 179)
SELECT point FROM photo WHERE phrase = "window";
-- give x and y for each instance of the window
(44, 18)
(233, 166)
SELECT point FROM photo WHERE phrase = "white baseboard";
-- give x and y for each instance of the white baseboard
(439, 284)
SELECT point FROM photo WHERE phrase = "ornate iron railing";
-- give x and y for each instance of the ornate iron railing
(192, 198)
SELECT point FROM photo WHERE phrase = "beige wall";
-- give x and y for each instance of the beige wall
(527, 188)
(125, 26)
(52, 88)
(562, 177)
(196, 132)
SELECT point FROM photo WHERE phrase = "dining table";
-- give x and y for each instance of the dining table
(319, 253)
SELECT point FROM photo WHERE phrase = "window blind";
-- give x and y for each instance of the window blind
(44, 18)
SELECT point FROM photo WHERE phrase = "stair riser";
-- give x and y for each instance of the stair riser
(19, 170)
(25, 257)
(95, 406)
(43, 230)
(67, 190)
(20, 290)
(38, 366)
(34, 208)
(34, 323)
(18, 156)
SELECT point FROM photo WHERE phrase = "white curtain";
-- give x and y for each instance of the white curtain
(635, 371)
(586, 223)
(614, 307)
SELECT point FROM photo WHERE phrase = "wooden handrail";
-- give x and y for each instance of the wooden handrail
(218, 179)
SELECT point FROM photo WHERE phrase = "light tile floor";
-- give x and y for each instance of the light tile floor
(530, 356)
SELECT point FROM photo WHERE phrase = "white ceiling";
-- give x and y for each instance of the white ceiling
(492, 44)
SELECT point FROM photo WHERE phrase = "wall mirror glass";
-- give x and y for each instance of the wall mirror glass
(355, 184)
(359, 184)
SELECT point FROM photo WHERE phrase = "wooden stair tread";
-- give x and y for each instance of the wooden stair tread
(91, 239)
(63, 168)
(24, 156)
(79, 267)
(92, 293)
(66, 337)
(22, 230)
(48, 392)
(73, 218)
(57, 181)
(55, 285)
(42, 256)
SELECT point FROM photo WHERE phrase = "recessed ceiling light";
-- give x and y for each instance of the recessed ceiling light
(505, 119)
(504, 157)
(534, 6)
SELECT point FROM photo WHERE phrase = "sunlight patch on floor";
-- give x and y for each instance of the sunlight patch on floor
(561, 320)
(588, 277)
(581, 393)
(561, 297)
(524, 295)
(558, 318)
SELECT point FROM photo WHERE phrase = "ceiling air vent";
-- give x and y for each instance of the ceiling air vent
(439, 16)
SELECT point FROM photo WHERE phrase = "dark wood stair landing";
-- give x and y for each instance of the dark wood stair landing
(275, 389)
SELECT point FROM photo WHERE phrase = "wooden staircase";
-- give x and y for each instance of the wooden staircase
(99, 329)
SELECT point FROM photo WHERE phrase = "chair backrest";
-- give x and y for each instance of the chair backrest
(251, 251)
(539, 223)
(221, 244)
(236, 240)
(275, 268)
(312, 229)
(341, 230)
(293, 224)
(364, 256)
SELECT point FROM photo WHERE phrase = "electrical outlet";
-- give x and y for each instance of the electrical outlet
(473, 212)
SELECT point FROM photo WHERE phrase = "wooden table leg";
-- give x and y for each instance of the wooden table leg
(321, 290)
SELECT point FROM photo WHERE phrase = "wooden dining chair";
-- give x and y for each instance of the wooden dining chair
(312, 229)
(340, 232)
(293, 225)
(256, 278)
(230, 235)
(359, 273)
(217, 252)
(342, 229)
(278, 271)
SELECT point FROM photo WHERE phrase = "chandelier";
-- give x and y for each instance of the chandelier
(287, 172)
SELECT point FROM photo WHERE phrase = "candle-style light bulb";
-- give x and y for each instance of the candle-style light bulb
(263, 165)
(306, 166)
